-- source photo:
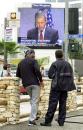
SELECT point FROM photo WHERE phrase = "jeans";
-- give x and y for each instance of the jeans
(34, 93)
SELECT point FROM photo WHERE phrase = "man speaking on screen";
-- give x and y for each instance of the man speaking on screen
(42, 32)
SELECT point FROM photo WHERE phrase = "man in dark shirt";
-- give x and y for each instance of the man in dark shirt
(61, 74)
(28, 70)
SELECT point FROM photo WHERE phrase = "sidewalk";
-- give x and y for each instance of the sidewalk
(73, 117)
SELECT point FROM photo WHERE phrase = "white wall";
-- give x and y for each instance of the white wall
(7, 6)
(40, 53)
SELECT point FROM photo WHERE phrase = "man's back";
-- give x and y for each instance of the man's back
(28, 70)
(63, 72)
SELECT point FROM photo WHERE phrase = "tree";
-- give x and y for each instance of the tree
(8, 48)
(75, 49)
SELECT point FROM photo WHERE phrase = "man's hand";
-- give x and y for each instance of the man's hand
(42, 84)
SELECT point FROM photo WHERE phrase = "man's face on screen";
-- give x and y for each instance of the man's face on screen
(40, 23)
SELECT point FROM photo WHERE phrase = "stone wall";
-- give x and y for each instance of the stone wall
(9, 100)
(44, 97)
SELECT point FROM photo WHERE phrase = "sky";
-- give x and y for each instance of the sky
(8, 6)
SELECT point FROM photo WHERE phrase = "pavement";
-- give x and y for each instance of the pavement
(74, 121)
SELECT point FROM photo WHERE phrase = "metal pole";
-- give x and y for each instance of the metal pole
(82, 23)
(5, 55)
(66, 30)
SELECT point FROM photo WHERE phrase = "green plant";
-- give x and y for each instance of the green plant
(8, 48)
(75, 49)
(43, 61)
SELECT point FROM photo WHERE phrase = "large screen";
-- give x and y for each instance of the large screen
(28, 31)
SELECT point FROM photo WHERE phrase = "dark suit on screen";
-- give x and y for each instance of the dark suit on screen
(50, 34)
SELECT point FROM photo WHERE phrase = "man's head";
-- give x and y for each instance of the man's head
(59, 54)
(30, 54)
(6, 66)
(40, 20)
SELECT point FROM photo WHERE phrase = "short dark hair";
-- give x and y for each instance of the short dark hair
(5, 66)
(59, 54)
(39, 15)
(29, 52)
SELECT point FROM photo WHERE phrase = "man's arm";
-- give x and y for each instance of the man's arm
(32, 34)
(18, 71)
(29, 34)
(55, 37)
(52, 35)
(51, 72)
(37, 71)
